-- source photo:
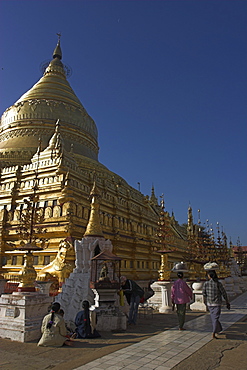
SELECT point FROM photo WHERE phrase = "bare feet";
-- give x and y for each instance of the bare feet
(69, 343)
(214, 336)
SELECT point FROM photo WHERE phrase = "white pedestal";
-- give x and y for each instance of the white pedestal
(199, 304)
(156, 300)
(104, 297)
(21, 315)
(161, 299)
(109, 316)
(166, 296)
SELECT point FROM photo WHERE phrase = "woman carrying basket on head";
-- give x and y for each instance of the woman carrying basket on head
(212, 292)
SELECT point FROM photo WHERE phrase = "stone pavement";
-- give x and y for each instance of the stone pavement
(166, 350)
(154, 343)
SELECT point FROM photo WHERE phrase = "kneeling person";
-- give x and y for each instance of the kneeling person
(84, 329)
(54, 332)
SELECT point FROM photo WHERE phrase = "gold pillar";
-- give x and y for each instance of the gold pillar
(192, 271)
(164, 271)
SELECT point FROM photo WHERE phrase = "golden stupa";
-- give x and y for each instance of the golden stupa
(62, 170)
(33, 116)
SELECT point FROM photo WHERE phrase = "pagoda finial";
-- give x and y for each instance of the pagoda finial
(190, 227)
(218, 232)
(94, 227)
(199, 220)
(162, 202)
(153, 198)
(212, 232)
(58, 52)
(55, 146)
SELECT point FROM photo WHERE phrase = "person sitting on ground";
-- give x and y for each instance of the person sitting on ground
(85, 327)
(133, 293)
(180, 295)
(70, 326)
(53, 329)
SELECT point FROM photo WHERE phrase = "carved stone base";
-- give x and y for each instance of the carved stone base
(109, 316)
(104, 297)
(21, 315)
(110, 319)
(162, 296)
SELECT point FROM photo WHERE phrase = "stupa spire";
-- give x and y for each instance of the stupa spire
(57, 51)
(153, 198)
(190, 227)
(55, 142)
(49, 99)
(94, 227)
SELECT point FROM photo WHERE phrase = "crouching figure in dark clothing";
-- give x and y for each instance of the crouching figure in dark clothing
(84, 327)
(133, 293)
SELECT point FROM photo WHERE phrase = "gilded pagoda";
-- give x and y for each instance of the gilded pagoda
(49, 145)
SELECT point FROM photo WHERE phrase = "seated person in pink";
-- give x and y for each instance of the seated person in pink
(181, 294)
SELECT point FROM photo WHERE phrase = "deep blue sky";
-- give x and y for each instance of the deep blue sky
(165, 82)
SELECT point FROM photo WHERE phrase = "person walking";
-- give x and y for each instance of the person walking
(212, 292)
(54, 332)
(180, 295)
(133, 293)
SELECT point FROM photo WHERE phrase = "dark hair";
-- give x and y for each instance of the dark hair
(61, 311)
(213, 275)
(54, 308)
(180, 274)
(85, 305)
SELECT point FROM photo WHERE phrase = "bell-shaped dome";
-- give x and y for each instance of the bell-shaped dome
(34, 115)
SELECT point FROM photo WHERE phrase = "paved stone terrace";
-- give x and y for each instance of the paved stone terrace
(169, 348)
